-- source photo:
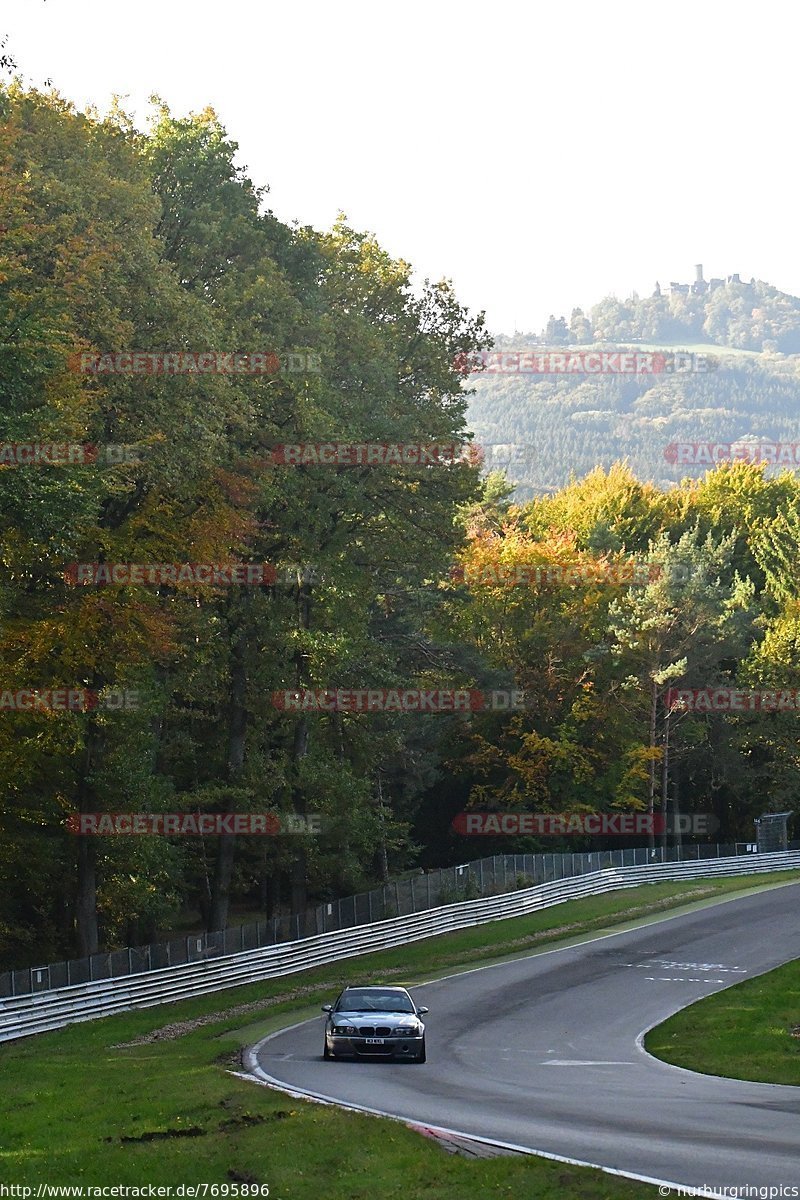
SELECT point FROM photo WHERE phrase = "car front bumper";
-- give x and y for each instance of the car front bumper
(391, 1047)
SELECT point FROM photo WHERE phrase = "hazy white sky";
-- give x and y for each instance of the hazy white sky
(540, 156)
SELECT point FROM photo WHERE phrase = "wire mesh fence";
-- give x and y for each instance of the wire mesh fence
(415, 893)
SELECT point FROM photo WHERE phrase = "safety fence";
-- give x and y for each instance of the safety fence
(414, 893)
(21, 1016)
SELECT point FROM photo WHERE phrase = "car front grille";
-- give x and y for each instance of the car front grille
(375, 1030)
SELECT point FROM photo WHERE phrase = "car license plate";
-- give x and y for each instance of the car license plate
(374, 1041)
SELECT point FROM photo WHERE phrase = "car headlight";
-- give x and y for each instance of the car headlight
(406, 1031)
(344, 1030)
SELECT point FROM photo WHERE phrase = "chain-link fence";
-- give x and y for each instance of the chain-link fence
(414, 893)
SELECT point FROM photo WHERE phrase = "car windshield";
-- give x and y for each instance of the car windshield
(368, 1000)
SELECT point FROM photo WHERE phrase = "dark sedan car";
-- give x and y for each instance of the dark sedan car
(374, 1022)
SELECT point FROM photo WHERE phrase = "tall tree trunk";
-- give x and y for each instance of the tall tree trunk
(299, 870)
(237, 736)
(651, 841)
(383, 858)
(665, 783)
(86, 928)
(676, 809)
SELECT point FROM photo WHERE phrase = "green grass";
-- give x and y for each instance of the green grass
(69, 1098)
(744, 1032)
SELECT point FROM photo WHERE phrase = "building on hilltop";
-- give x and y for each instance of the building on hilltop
(700, 285)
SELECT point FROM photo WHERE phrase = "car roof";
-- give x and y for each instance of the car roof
(374, 987)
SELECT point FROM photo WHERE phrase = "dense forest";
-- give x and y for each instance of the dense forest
(430, 576)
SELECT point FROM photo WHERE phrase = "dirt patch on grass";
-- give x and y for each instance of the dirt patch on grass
(157, 1135)
(178, 1029)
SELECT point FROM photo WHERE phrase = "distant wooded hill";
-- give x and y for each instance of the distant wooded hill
(543, 428)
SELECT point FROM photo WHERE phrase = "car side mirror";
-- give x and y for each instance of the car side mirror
(327, 1008)
(422, 1010)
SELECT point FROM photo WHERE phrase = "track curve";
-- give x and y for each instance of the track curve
(545, 1053)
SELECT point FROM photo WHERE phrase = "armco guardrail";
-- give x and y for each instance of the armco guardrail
(415, 892)
(37, 1013)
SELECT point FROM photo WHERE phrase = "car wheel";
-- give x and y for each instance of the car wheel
(325, 1051)
(421, 1055)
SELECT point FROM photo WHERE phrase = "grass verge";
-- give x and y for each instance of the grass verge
(76, 1107)
(749, 1031)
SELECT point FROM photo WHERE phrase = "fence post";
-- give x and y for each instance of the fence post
(413, 897)
(428, 883)
(397, 896)
(297, 920)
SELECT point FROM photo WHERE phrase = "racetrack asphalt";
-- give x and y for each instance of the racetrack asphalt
(544, 1052)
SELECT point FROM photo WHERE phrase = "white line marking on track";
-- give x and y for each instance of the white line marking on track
(589, 1062)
